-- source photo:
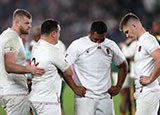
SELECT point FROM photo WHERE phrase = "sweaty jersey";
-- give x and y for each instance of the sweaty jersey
(12, 84)
(144, 62)
(92, 64)
(46, 88)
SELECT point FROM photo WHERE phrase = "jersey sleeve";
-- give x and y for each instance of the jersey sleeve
(150, 44)
(12, 45)
(59, 60)
(118, 56)
(72, 53)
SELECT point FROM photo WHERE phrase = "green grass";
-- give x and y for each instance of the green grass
(117, 101)
(68, 103)
(2, 112)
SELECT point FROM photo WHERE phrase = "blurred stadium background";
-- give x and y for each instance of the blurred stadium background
(75, 18)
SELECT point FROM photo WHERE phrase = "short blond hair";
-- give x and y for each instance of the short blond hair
(126, 18)
(21, 12)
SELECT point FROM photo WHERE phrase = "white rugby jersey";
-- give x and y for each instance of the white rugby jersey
(12, 84)
(144, 62)
(46, 88)
(61, 46)
(92, 64)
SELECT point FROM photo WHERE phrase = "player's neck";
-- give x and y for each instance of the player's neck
(49, 40)
(141, 32)
(16, 30)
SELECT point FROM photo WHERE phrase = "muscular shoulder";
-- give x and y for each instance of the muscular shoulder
(109, 43)
(150, 39)
(44, 47)
(79, 44)
(9, 34)
(149, 42)
(80, 41)
(10, 40)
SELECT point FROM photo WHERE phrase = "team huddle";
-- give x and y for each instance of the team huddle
(90, 57)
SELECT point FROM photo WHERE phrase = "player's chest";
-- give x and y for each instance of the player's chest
(141, 53)
(96, 53)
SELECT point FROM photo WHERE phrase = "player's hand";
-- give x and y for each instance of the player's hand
(114, 90)
(80, 91)
(36, 70)
(144, 80)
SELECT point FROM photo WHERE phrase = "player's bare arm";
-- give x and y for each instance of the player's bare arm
(12, 67)
(144, 80)
(123, 68)
(79, 90)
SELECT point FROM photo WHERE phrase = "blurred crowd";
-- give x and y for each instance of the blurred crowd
(76, 16)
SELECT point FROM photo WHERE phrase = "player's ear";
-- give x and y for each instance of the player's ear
(89, 32)
(134, 25)
(53, 33)
(16, 22)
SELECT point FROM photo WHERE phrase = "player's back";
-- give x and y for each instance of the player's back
(43, 52)
(46, 87)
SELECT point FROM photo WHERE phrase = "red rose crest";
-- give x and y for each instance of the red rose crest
(99, 47)
(108, 51)
(139, 49)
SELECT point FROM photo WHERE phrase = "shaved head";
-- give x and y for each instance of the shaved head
(21, 13)
(127, 20)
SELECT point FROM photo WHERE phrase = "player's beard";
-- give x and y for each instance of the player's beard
(22, 30)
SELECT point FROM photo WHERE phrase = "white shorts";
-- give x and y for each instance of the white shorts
(148, 104)
(16, 105)
(46, 109)
(90, 106)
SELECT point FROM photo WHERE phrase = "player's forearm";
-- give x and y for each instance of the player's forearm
(12, 67)
(70, 82)
(123, 68)
(156, 72)
(15, 68)
(68, 78)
